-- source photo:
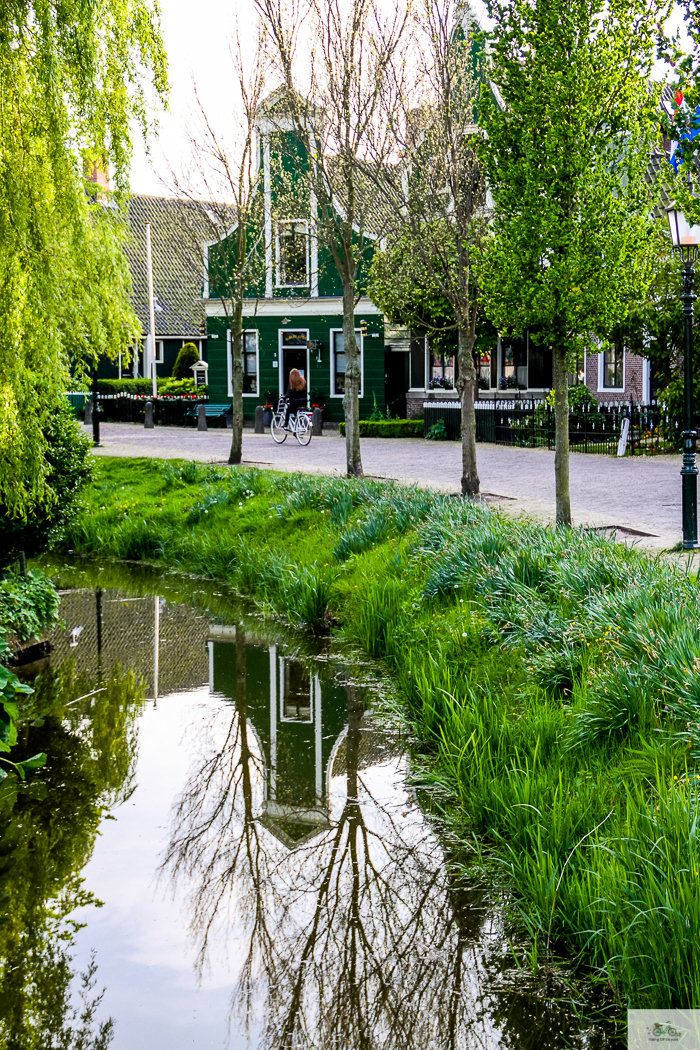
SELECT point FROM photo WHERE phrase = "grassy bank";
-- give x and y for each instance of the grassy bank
(553, 677)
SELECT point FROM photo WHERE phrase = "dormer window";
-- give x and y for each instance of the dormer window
(292, 254)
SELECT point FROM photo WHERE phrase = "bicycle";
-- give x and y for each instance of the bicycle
(300, 424)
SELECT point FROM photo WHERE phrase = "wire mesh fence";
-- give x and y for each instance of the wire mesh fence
(630, 427)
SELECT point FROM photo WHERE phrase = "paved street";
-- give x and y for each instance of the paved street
(637, 495)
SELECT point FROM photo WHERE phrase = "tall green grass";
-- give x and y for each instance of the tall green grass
(551, 676)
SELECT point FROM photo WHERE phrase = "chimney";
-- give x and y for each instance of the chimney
(99, 177)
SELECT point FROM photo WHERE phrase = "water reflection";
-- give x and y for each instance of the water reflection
(48, 830)
(294, 854)
(297, 837)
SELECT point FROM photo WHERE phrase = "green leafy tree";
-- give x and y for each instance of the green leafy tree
(71, 82)
(400, 287)
(404, 291)
(655, 329)
(566, 154)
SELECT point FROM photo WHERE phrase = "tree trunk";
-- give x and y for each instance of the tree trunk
(237, 385)
(561, 433)
(351, 401)
(467, 385)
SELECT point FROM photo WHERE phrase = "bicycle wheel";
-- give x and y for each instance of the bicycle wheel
(279, 434)
(303, 429)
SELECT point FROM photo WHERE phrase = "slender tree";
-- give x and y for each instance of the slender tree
(347, 55)
(227, 227)
(566, 153)
(437, 194)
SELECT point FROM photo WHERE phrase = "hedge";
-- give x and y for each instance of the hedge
(125, 386)
(389, 428)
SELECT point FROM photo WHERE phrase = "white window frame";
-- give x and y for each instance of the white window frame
(278, 277)
(244, 333)
(426, 362)
(429, 368)
(359, 338)
(158, 346)
(283, 679)
(229, 358)
(280, 358)
(601, 374)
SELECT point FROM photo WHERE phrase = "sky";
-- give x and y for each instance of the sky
(197, 39)
(198, 51)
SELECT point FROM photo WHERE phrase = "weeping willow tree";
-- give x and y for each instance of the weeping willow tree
(74, 78)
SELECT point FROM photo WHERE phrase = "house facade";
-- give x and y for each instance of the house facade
(293, 313)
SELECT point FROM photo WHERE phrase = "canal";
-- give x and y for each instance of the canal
(228, 848)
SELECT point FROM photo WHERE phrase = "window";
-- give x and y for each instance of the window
(419, 354)
(250, 362)
(483, 373)
(159, 351)
(613, 364)
(292, 254)
(513, 363)
(338, 362)
(442, 371)
(296, 692)
(578, 376)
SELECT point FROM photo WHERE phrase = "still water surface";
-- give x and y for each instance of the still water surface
(267, 876)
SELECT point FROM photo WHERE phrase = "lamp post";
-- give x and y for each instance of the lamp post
(686, 241)
(95, 411)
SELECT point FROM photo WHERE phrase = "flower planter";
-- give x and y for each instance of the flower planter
(267, 417)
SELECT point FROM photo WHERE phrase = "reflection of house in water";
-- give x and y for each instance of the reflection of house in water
(164, 644)
(298, 718)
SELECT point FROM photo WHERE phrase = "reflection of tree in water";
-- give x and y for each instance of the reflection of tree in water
(47, 834)
(350, 938)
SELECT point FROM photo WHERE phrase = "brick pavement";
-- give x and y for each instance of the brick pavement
(636, 495)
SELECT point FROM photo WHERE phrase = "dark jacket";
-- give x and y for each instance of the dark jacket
(296, 398)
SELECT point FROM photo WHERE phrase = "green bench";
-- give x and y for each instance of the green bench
(211, 411)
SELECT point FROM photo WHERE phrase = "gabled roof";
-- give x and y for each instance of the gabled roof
(180, 229)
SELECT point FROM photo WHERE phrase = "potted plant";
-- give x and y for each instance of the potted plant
(316, 399)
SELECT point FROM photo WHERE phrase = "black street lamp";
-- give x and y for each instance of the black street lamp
(95, 411)
(686, 240)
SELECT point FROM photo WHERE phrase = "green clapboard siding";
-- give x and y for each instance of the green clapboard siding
(319, 379)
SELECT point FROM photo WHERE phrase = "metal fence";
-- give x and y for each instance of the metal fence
(645, 429)
(130, 408)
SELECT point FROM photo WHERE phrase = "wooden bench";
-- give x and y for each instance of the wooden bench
(211, 411)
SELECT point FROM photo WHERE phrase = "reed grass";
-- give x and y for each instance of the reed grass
(552, 678)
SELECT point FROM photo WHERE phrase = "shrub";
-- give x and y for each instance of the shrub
(180, 387)
(394, 428)
(188, 356)
(438, 431)
(125, 386)
(71, 467)
(28, 605)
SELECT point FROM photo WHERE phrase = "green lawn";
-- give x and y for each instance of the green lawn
(553, 678)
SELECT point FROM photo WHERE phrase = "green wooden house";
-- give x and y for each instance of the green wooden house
(293, 314)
